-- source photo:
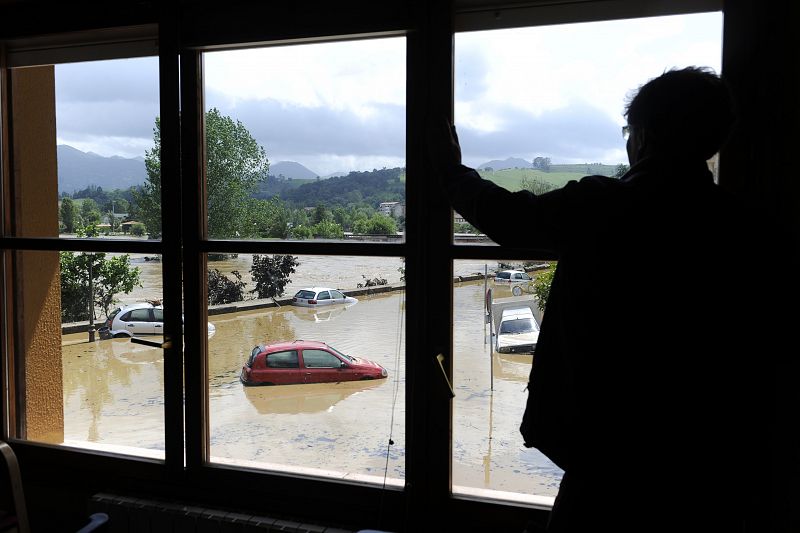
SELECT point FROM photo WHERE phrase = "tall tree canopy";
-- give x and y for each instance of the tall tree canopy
(236, 164)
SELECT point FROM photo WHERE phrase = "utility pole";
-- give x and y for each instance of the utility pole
(91, 300)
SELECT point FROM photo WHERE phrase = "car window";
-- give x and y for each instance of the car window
(324, 295)
(158, 315)
(320, 359)
(519, 325)
(125, 317)
(114, 313)
(286, 359)
(305, 295)
(504, 275)
(257, 350)
(140, 315)
(337, 294)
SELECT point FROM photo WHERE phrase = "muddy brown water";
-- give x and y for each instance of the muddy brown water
(113, 393)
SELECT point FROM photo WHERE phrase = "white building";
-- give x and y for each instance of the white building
(392, 209)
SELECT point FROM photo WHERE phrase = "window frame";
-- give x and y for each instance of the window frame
(428, 249)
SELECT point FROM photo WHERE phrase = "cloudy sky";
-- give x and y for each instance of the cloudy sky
(556, 91)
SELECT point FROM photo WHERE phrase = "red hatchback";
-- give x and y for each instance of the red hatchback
(285, 363)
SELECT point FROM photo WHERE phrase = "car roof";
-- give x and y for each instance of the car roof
(138, 305)
(513, 271)
(517, 311)
(288, 345)
(318, 289)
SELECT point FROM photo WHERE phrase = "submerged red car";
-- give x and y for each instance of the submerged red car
(285, 363)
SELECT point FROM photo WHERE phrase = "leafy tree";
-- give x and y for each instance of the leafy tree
(321, 214)
(90, 212)
(110, 276)
(377, 224)
(541, 286)
(302, 232)
(327, 229)
(271, 274)
(236, 164)
(69, 215)
(223, 290)
(465, 227)
(138, 229)
(620, 171)
(542, 163)
(270, 218)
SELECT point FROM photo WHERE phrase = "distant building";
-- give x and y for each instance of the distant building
(458, 219)
(392, 209)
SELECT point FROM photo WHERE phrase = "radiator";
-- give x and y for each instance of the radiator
(137, 515)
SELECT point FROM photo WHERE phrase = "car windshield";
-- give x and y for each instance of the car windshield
(334, 350)
(518, 325)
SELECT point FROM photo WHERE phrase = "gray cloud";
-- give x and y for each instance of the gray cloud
(578, 132)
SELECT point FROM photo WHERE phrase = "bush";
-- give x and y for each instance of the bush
(138, 229)
(541, 286)
(271, 274)
(223, 290)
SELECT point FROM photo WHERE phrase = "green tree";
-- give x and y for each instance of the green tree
(90, 212)
(111, 276)
(68, 213)
(377, 224)
(271, 274)
(541, 286)
(222, 289)
(620, 171)
(138, 229)
(270, 218)
(327, 229)
(321, 214)
(235, 165)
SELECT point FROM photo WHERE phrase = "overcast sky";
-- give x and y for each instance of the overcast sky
(555, 91)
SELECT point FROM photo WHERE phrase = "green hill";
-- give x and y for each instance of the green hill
(586, 169)
(511, 178)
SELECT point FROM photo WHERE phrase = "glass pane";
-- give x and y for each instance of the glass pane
(307, 141)
(538, 107)
(84, 151)
(495, 329)
(307, 385)
(92, 387)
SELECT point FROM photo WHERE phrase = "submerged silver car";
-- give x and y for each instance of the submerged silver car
(321, 296)
(134, 320)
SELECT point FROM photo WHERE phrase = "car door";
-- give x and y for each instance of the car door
(139, 321)
(158, 321)
(321, 366)
(324, 298)
(277, 368)
(337, 297)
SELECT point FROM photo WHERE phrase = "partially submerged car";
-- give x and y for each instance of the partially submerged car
(286, 363)
(519, 280)
(134, 320)
(517, 332)
(321, 296)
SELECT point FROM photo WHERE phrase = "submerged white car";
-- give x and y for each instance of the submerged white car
(519, 280)
(134, 320)
(321, 296)
(517, 332)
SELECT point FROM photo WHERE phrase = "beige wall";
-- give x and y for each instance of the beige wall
(38, 294)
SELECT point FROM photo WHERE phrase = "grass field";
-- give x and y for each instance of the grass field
(511, 178)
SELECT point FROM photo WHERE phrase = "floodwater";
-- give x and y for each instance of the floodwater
(113, 390)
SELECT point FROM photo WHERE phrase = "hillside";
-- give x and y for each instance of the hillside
(511, 162)
(354, 189)
(77, 170)
(291, 169)
(511, 179)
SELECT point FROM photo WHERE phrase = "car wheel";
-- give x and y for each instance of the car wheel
(517, 291)
(120, 336)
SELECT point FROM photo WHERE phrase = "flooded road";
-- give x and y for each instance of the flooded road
(113, 395)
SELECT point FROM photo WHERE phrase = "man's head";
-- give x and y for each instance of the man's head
(686, 113)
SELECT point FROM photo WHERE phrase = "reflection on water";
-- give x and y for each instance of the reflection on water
(312, 398)
(113, 394)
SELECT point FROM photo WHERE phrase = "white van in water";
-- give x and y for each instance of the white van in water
(518, 331)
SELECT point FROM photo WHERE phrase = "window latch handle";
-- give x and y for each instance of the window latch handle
(439, 359)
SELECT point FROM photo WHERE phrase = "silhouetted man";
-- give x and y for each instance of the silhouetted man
(651, 382)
